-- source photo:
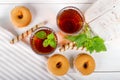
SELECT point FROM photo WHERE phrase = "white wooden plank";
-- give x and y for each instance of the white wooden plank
(104, 19)
(47, 1)
(99, 8)
(97, 76)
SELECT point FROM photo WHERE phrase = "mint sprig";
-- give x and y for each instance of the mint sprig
(41, 34)
(50, 41)
(86, 40)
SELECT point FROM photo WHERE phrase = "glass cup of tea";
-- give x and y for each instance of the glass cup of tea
(70, 20)
(43, 41)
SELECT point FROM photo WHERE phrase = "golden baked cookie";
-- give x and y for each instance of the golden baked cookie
(58, 65)
(21, 16)
(84, 63)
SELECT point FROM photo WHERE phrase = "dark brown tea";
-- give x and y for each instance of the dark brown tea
(70, 20)
(37, 43)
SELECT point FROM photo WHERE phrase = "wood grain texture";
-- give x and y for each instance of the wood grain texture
(104, 19)
(48, 1)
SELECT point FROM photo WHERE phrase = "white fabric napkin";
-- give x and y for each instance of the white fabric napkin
(104, 18)
(19, 62)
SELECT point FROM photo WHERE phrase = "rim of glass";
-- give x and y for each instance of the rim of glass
(43, 28)
(74, 8)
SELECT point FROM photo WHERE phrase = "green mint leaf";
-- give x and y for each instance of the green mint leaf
(95, 44)
(50, 41)
(87, 30)
(45, 43)
(81, 39)
(71, 38)
(90, 43)
(53, 43)
(50, 36)
(41, 34)
(91, 49)
(86, 40)
(99, 44)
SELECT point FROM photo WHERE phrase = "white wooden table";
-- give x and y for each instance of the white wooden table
(19, 62)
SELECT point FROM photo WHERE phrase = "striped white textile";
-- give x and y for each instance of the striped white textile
(19, 62)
